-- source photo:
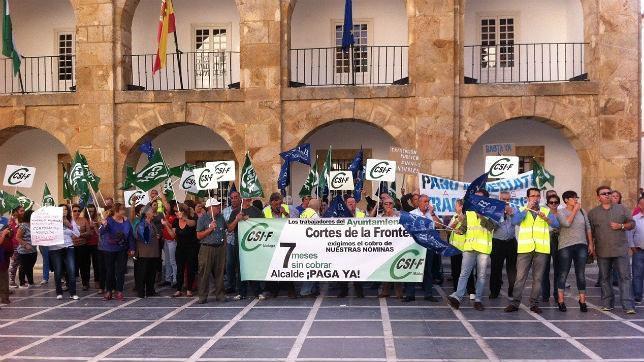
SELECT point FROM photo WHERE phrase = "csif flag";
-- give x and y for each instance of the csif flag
(284, 177)
(47, 199)
(166, 26)
(323, 182)
(77, 179)
(541, 176)
(24, 201)
(89, 175)
(486, 206)
(152, 174)
(8, 202)
(8, 47)
(249, 185)
(68, 190)
(309, 186)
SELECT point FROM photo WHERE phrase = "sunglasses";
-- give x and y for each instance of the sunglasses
(553, 202)
(605, 193)
(75, 210)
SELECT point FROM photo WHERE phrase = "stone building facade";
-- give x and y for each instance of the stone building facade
(436, 112)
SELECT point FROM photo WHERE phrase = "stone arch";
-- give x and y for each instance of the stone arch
(10, 131)
(317, 115)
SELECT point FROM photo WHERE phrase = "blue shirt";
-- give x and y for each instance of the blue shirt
(504, 229)
(518, 217)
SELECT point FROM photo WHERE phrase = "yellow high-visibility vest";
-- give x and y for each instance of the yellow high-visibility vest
(457, 240)
(477, 238)
(534, 233)
(360, 213)
(308, 213)
(268, 213)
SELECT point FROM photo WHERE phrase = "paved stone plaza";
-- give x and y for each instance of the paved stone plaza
(37, 326)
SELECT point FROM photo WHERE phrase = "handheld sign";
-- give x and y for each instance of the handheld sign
(135, 197)
(19, 176)
(188, 182)
(407, 160)
(222, 170)
(341, 180)
(380, 170)
(205, 178)
(46, 226)
(502, 166)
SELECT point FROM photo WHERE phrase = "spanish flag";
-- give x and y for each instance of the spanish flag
(166, 26)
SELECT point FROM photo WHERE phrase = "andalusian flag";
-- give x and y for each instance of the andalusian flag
(47, 199)
(8, 48)
(541, 176)
(311, 182)
(24, 201)
(166, 26)
(249, 185)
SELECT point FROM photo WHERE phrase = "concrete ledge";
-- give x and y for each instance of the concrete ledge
(529, 89)
(40, 99)
(347, 92)
(192, 96)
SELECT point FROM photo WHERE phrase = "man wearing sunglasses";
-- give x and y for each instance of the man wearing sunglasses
(609, 223)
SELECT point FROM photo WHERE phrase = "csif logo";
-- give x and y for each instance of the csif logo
(256, 234)
(134, 199)
(380, 169)
(19, 176)
(205, 178)
(75, 174)
(188, 183)
(221, 169)
(405, 264)
(500, 166)
(339, 179)
(151, 173)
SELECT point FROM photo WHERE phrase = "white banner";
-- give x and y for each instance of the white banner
(19, 176)
(373, 249)
(135, 197)
(380, 170)
(443, 192)
(502, 167)
(46, 226)
(223, 170)
(205, 179)
(187, 182)
(341, 180)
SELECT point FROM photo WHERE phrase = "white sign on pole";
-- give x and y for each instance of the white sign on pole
(341, 180)
(135, 197)
(19, 176)
(502, 166)
(407, 160)
(187, 182)
(380, 170)
(222, 170)
(205, 179)
(46, 226)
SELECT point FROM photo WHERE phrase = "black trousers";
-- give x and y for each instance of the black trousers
(144, 275)
(83, 262)
(27, 262)
(186, 256)
(115, 269)
(503, 251)
(97, 260)
(455, 264)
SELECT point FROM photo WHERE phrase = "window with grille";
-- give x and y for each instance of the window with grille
(65, 56)
(359, 56)
(497, 42)
(211, 44)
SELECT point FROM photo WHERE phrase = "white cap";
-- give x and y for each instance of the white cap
(212, 202)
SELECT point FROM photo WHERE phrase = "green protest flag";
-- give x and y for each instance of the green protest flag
(541, 176)
(310, 183)
(155, 172)
(130, 178)
(249, 185)
(8, 47)
(391, 190)
(167, 189)
(24, 201)
(323, 179)
(177, 171)
(8, 202)
(76, 176)
(89, 175)
(47, 199)
(68, 190)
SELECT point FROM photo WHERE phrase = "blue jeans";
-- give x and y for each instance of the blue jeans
(309, 288)
(471, 258)
(638, 273)
(233, 280)
(579, 254)
(545, 281)
(44, 252)
(428, 276)
(625, 285)
(58, 258)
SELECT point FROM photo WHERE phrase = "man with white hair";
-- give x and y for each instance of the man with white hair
(211, 232)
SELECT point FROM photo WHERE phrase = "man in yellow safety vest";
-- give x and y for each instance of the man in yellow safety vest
(533, 248)
(476, 251)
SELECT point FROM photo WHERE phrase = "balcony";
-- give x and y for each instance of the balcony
(525, 63)
(360, 65)
(185, 70)
(43, 74)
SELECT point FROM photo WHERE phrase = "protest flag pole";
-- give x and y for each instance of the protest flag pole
(170, 177)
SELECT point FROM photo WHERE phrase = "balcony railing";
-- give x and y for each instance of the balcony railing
(525, 63)
(44, 74)
(360, 65)
(186, 70)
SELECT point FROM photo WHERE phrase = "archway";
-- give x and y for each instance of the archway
(181, 143)
(543, 141)
(345, 136)
(27, 146)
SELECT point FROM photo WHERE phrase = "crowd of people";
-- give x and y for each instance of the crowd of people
(192, 247)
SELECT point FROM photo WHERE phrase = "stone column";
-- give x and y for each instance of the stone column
(433, 71)
(261, 59)
(95, 88)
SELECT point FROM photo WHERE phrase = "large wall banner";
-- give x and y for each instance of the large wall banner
(444, 192)
(356, 249)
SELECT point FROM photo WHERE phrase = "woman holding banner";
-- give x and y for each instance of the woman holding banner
(63, 255)
(117, 239)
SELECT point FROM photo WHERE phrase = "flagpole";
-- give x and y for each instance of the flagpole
(170, 177)
(22, 87)
(179, 52)
(91, 188)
